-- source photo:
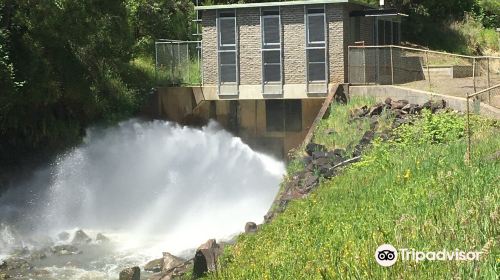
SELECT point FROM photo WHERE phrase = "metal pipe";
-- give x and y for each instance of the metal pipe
(428, 71)
(392, 69)
(474, 73)
(467, 154)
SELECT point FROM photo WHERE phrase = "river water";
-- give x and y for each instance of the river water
(148, 186)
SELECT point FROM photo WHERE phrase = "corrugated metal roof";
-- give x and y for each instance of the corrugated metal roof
(277, 4)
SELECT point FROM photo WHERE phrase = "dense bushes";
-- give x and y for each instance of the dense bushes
(66, 64)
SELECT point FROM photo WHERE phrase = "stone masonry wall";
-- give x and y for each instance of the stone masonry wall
(294, 45)
(248, 21)
(209, 48)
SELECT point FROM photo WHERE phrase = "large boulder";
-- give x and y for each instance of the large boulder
(250, 227)
(131, 273)
(205, 259)
(171, 262)
(81, 238)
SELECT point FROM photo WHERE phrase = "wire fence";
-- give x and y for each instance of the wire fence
(438, 72)
(475, 99)
(178, 62)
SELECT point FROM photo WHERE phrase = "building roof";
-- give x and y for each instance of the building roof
(277, 4)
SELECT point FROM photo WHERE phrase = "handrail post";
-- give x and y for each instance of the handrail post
(392, 68)
(489, 92)
(467, 154)
(428, 71)
(474, 73)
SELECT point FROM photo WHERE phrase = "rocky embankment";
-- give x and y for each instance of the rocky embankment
(321, 163)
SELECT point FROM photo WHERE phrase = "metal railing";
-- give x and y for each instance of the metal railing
(489, 95)
(178, 62)
(433, 71)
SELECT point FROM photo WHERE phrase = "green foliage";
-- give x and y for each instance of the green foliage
(432, 128)
(62, 65)
(419, 195)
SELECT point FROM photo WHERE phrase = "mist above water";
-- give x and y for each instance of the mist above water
(155, 186)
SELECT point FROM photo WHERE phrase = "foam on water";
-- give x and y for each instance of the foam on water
(151, 187)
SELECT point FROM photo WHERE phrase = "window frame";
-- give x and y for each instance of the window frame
(223, 15)
(315, 45)
(271, 47)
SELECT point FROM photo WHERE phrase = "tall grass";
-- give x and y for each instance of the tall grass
(411, 194)
(182, 75)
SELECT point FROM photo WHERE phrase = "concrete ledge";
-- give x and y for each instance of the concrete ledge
(380, 93)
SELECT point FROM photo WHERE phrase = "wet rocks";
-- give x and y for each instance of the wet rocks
(131, 273)
(154, 265)
(313, 147)
(172, 264)
(205, 259)
(101, 238)
(65, 250)
(81, 238)
(250, 227)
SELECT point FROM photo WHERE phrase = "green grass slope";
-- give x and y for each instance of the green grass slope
(412, 192)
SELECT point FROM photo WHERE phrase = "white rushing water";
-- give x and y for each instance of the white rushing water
(149, 186)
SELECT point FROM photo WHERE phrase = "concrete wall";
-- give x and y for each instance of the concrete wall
(245, 118)
(380, 93)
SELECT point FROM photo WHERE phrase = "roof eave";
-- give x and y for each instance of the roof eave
(277, 4)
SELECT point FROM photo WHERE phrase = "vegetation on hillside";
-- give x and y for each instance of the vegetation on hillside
(67, 64)
(414, 191)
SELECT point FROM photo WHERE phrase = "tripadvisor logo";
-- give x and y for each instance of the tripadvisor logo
(386, 255)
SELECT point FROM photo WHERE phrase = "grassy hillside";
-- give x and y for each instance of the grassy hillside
(412, 192)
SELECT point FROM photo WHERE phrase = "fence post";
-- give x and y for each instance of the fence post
(428, 71)
(188, 61)
(489, 85)
(172, 64)
(467, 154)
(474, 73)
(392, 68)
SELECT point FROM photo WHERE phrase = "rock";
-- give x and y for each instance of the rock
(101, 238)
(388, 101)
(15, 264)
(154, 265)
(131, 273)
(306, 160)
(250, 227)
(310, 180)
(171, 262)
(376, 110)
(205, 259)
(38, 255)
(81, 238)
(367, 138)
(319, 154)
(434, 105)
(63, 236)
(64, 250)
(399, 104)
(359, 112)
(313, 147)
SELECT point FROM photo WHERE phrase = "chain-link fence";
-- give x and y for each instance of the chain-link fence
(438, 72)
(178, 62)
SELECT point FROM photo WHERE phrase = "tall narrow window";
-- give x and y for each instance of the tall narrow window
(271, 51)
(316, 50)
(227, 52)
